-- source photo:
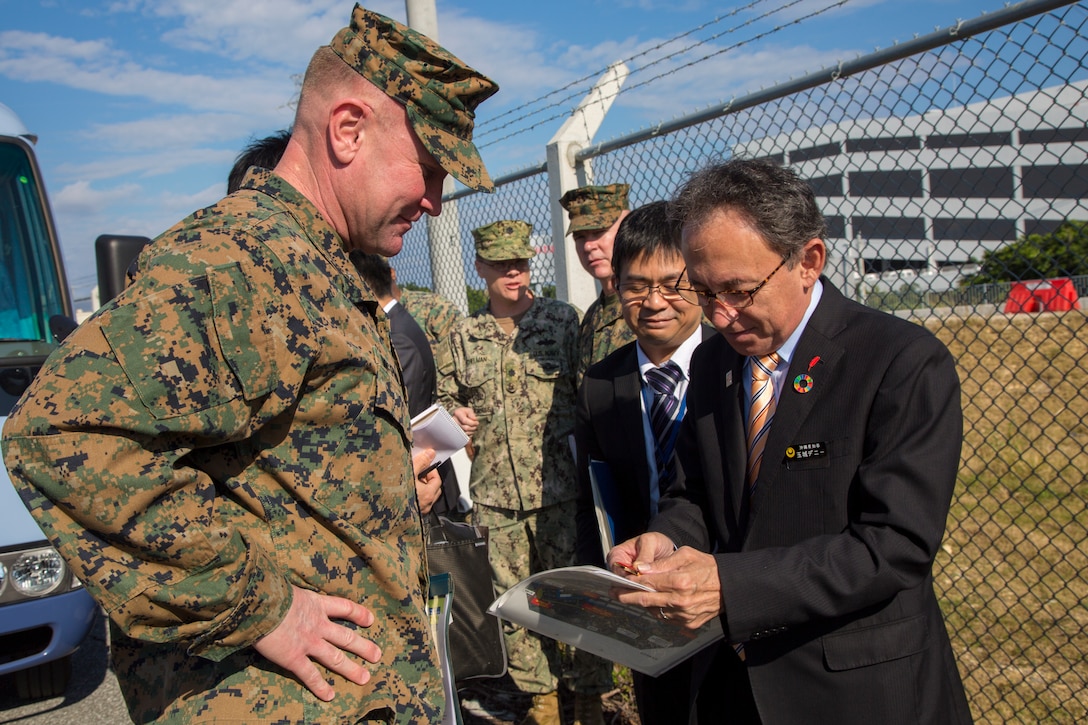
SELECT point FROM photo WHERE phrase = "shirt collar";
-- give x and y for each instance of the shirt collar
(681, 356)
(785, 352)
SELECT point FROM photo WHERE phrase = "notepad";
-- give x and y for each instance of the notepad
(435, 428)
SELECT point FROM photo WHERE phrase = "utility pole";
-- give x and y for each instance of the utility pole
(443, 231)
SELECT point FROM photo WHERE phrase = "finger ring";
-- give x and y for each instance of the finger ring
(661, 610)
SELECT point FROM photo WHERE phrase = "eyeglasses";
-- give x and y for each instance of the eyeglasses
(736, 299)
(505, 265)
(631, 292)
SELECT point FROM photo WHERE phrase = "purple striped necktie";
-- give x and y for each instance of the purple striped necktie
(663, 380)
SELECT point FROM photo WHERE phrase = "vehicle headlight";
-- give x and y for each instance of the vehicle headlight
(38, 572)
(3, 577)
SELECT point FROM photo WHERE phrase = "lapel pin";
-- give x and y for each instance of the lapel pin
(728, 378)
(802, 383)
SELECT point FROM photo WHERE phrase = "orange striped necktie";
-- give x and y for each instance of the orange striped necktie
(760, 411)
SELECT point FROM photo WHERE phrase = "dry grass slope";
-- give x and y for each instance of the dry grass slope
(1013, 575)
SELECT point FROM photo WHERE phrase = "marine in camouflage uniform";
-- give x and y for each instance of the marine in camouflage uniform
(434, 313)
(595, 213)
(602, 331)
(228, 441)
(513, 365)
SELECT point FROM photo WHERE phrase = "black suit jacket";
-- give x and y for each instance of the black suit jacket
(421, 386)
(608, 427)
(825, 572)
(416, 359)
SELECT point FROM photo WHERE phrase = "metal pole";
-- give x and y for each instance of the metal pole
(443, 231)
(572, 283)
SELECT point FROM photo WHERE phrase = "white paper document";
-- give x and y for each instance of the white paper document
(574, 605)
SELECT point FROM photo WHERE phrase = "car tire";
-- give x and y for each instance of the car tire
(45, 680)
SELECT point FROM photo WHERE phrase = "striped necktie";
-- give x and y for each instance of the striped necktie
(760, 411)
(663, 380)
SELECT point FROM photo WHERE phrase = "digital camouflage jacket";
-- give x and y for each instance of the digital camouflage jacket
(233, 424)
(434, 313)
(522, 389)
(602, 332)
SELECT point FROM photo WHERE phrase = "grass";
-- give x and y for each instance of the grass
(1013, 573)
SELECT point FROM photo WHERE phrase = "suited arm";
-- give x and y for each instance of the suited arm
(411, 366)
(898, 505)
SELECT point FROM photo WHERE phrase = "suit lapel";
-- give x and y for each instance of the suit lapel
(816, 356)
(733, 438)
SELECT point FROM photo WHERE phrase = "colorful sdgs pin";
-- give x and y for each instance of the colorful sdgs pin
(802, 383)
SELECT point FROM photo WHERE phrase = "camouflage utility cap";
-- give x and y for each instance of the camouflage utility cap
(438, 90)
(505, 239)
(594, 207)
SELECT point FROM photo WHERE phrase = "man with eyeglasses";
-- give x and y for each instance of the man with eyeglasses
(630, 405)
(815, 467)
(508, 377)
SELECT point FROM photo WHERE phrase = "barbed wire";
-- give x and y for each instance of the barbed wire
(595, 74)
(566, 110)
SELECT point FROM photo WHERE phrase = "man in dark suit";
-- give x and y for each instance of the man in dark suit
(614, 430)
(808, 525)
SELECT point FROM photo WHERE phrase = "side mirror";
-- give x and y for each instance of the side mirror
(114, 253)
(62, 326)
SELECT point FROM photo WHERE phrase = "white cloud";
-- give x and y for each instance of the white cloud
(509, 54)
(147, 165)
(97, 66)
(178, 131)
(81, 198)
(285, 32)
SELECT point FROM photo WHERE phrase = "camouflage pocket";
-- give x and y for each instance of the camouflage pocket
(244, 335)
(481, 387)
(546, 367)
(168, 347)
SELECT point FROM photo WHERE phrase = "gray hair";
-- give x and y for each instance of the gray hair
(777, 203)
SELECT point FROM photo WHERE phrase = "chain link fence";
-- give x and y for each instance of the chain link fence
(953, 172)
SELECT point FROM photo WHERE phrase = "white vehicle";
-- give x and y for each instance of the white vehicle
(44, 611)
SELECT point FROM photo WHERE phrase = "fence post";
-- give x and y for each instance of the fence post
(444, 231)
(572, 283)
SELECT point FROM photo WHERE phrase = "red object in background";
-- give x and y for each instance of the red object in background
(1042, 295)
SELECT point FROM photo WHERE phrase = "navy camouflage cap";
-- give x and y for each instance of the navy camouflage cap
(504, 239)
(438, 90)
(594, 207)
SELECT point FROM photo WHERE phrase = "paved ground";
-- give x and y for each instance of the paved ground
(93, 697)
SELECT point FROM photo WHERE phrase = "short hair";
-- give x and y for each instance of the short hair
(773, 199)
(650, 229)
(327, 74)
(263, 152)
(375, 271)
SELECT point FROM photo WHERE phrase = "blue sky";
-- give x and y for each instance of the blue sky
(142, 105)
